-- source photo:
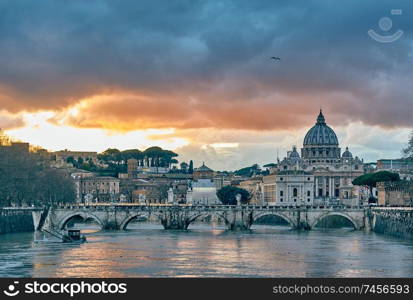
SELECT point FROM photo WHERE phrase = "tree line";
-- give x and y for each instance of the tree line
(152, 157)
(116, 161)
(26, 178)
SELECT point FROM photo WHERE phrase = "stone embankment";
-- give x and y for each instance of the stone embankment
(16, 220)
(397, 221)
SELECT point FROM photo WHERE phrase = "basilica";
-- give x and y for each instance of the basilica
(320, 175)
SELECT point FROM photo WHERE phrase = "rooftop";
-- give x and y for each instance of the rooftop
(203, 168)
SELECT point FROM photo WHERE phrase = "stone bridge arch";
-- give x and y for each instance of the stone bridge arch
(285, 217)
(84, 215)
(124, 224)
(317, 219)
(196, 216)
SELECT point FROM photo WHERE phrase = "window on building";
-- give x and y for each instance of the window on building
(295, 200)
(308, 193)
(308, 200)
(295, 192)
(281, 193)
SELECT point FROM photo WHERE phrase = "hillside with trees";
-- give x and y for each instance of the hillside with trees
(26, 178)
(115, 161)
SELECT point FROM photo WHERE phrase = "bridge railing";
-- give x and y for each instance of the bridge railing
(205, 207)
(25, 208)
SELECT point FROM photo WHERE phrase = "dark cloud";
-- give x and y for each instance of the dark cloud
(191, 64)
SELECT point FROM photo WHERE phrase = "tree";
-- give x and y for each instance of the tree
(370, 179)
(158, 157)
(4, 139)
(56, 187)
(227, 195)
(191, 167)
(408, 151)
(248, 171)
(184, 167)
(72, 161)
(26, 178)
(131, 153)
(116, 160)
(110, 155)
(270, 165)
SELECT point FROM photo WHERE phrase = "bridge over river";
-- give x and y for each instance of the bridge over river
(236, 217)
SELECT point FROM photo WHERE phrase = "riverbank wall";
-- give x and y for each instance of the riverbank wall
(396, 222)
(15, 220)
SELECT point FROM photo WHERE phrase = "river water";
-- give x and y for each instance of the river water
(206, 250)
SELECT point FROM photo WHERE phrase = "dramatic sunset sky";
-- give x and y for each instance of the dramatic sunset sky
(196, 76)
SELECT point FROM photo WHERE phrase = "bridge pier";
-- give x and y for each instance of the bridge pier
(178, 219)
(175, 220)
(302, 220)
(368, 221)
(111, 225)
(302, 226)
(240, 220)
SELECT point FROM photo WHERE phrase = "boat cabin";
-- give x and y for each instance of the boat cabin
(74, 234)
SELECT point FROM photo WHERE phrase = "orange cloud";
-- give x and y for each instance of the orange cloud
(10, 121)
(127, 111)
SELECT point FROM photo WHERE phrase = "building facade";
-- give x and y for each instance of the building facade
(254, 186)
(294, 188)
(145, 166)
(203, 172)
(269, 189)
(395, 165)
(398, 193)
(96, 188)
(322, 166)
(203, 187)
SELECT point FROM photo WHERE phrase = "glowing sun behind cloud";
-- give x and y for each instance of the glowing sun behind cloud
(40, 131)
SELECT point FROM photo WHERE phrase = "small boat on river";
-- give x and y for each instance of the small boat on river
(73, 236)
(69, 236)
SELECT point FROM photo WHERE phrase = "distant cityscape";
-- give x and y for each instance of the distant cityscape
(320, 174)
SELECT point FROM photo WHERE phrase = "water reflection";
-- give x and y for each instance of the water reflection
(146, 250)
